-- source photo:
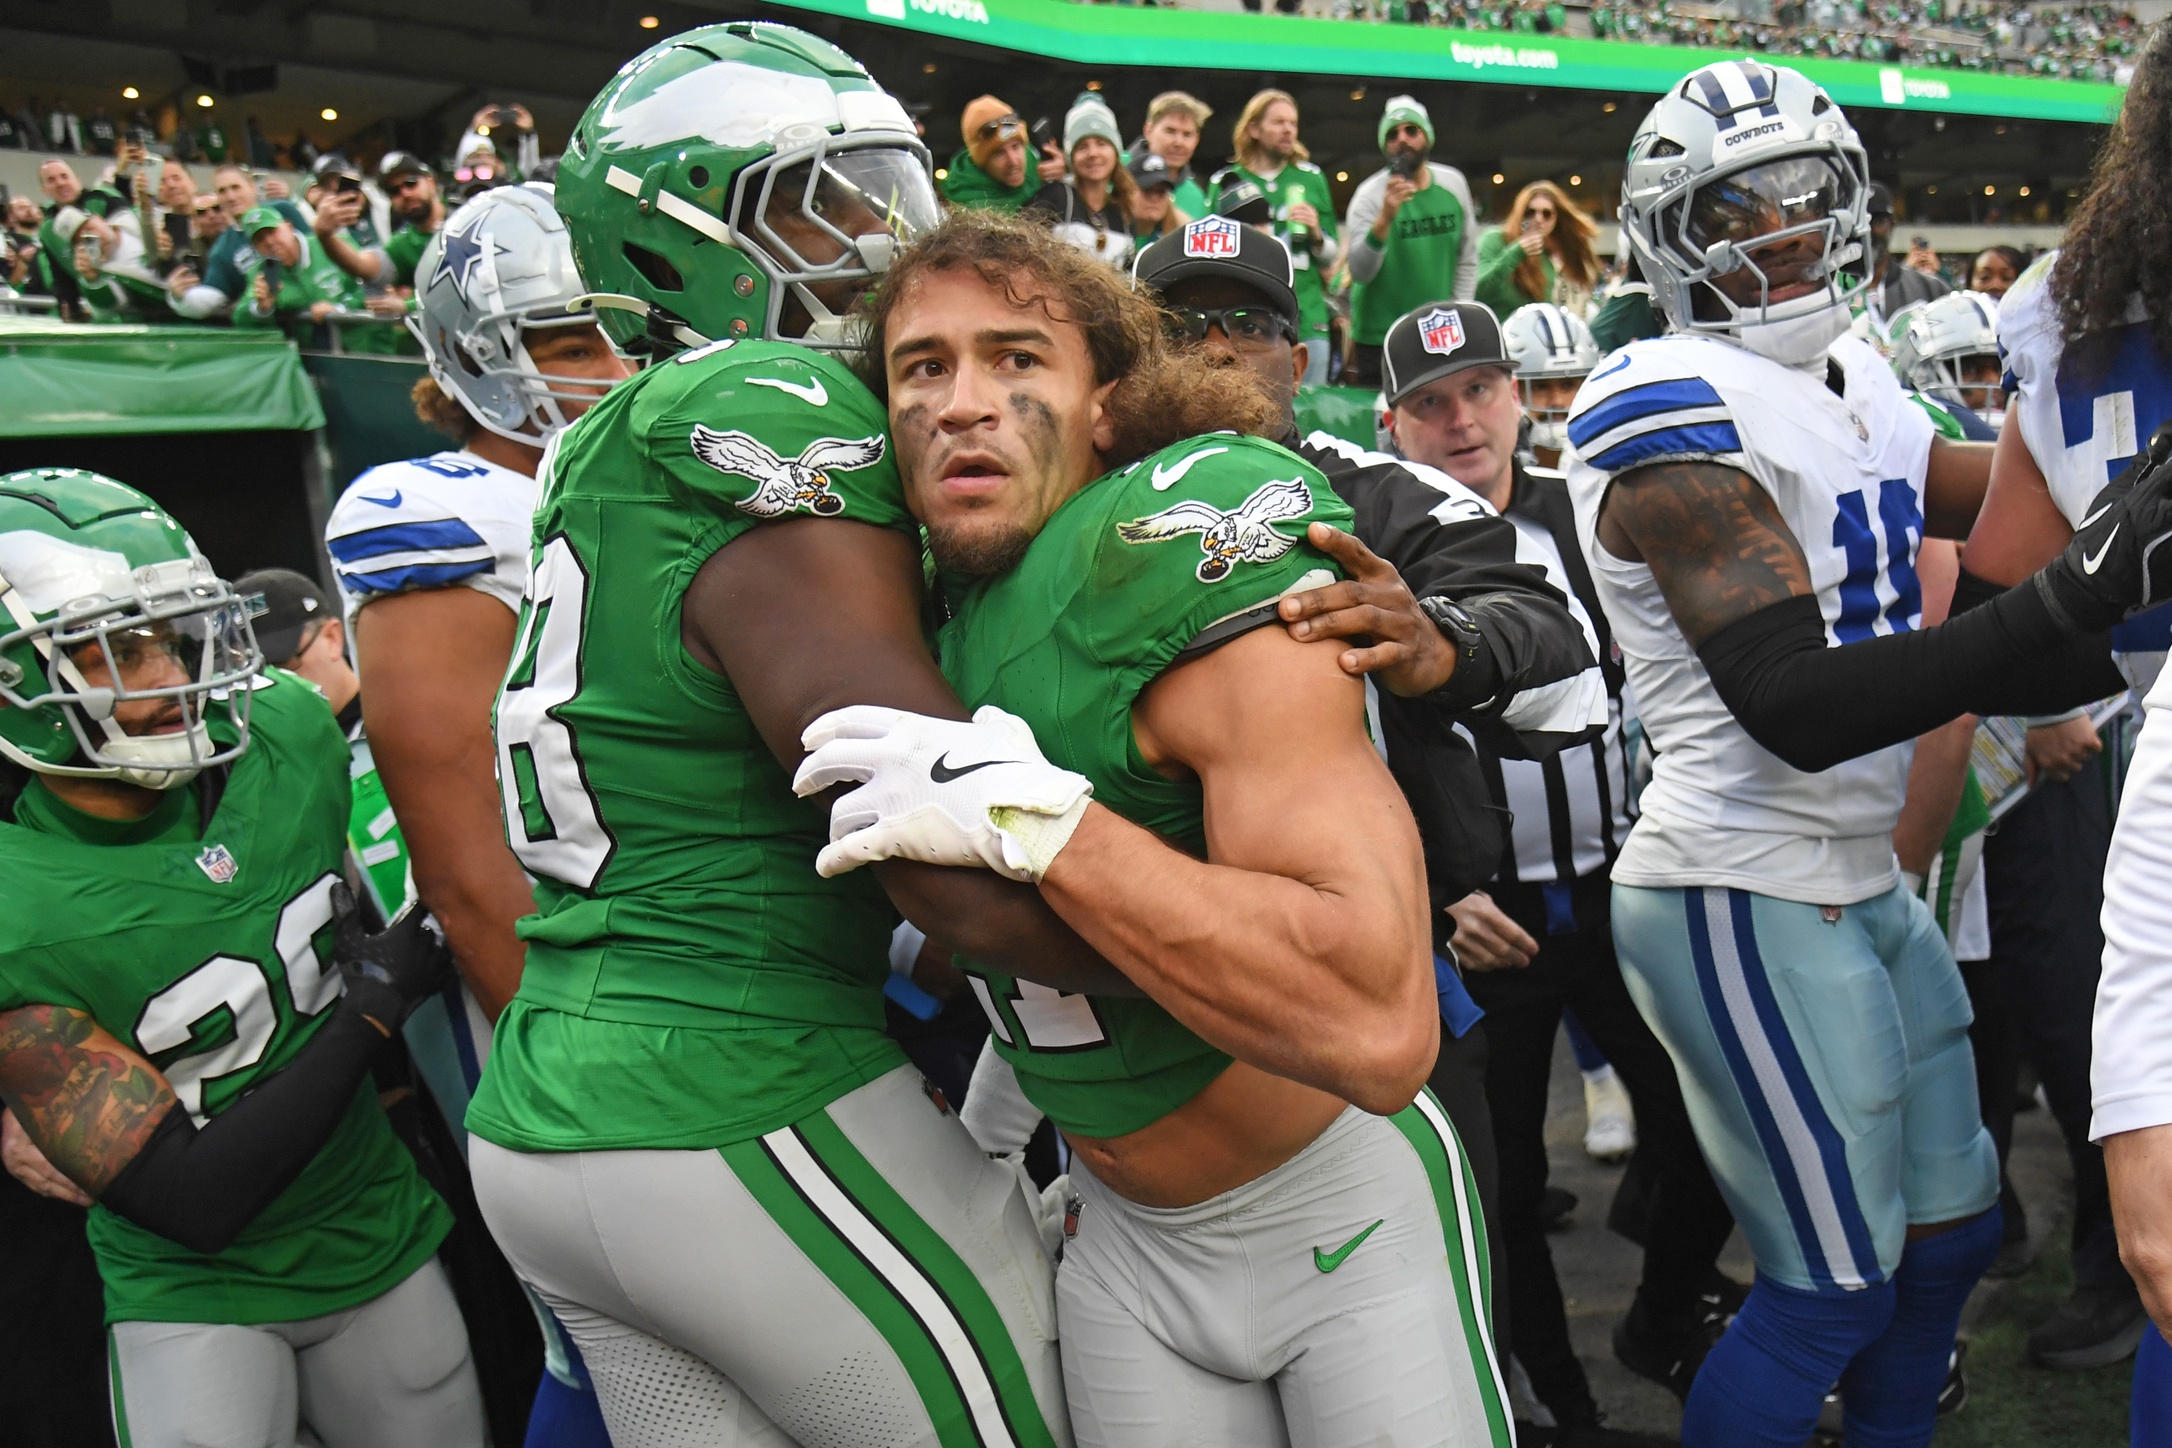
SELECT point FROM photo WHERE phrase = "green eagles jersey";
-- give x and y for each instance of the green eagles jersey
(207, 948)
(1417, 263)
(1127, 573)
(1298, 181)
(404, 249)
(690, 980)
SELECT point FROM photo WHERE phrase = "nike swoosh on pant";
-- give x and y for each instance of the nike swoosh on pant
(1329, 1261)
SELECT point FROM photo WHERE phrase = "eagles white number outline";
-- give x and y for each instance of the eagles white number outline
(552, 618)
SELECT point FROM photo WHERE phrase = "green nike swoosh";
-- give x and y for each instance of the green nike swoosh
(1329, 1261)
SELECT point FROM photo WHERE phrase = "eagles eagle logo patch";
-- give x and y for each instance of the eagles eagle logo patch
(1242, 535)
(785, 485)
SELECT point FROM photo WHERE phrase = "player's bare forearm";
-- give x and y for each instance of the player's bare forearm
(430, 663)
(2139, 1167)
(810, 615)
(1936, 777)
(1713, 538)
(1000, 923)
(2020, 528)
(87, 1101)
(1954, 486)
(1299, 946)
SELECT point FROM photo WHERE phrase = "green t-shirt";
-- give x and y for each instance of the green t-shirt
(316, 278)
(1498, 258)
(1298, 181)
(1126, 574)
(1417, 263)
(691, 981)
(207, 948)
(964, 183)
(404, 247)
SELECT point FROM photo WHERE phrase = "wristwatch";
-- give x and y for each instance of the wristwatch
(1473, 671)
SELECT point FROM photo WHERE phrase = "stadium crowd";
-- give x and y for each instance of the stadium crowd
(1269, 807)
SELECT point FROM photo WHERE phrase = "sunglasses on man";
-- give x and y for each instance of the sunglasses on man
(1002, 128)
(1245, 326)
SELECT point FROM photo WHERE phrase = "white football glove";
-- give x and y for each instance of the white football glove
(940, 791)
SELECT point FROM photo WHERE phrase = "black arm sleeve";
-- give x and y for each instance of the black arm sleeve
(200, 1186)
(1815, 706)
(1531, 638)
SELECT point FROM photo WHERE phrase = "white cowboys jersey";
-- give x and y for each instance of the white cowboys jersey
(1846, 473)
(444, 520)
(2083, 431)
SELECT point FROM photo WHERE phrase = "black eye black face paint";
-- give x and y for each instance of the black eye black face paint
(1043, 437)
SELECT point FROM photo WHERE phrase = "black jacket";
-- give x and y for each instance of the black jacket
(1448, 548)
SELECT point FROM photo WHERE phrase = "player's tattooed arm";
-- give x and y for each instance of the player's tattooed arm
(1712, 537)
(88, 1101)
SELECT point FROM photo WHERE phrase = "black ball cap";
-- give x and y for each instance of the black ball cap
(1438, 340)
(1242, 201)
(1216, 246)
(1149, 170)
(291, 603)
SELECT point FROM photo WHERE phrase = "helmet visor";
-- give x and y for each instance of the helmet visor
(1744, 205)
(814, 212)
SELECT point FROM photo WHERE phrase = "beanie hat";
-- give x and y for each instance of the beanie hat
(1090, 117)
(1404, 110)
(978, 113)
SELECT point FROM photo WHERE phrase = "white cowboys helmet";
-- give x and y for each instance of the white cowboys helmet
(501, 263)
(1949, 350)
(1546, 342)
(1747, 178)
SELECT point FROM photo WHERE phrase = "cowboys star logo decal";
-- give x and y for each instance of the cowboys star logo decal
(785, 485)
(462, 254)
(1243, 535)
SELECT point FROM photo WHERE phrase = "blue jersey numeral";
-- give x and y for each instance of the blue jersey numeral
(1901, 518)
(445, 468)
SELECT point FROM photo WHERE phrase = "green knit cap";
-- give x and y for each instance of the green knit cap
(1403, 109)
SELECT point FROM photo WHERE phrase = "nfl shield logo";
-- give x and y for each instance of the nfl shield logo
(218, 862)
(1440, 331)
(1211, 236)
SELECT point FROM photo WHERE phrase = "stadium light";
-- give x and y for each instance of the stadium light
(328, 114)
(1930, 191)
(1358, 94)
(204, 101)
(1576, 180)
(1610, 107)
(928, 69)
(650, 22)
(1498, 178)
(129, 93)
(1093, 85)
(1342, 175)
(942, 173)
(1990, 190)
(2024, 190)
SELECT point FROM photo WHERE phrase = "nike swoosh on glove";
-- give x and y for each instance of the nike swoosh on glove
(2118, 564)
(940, 791)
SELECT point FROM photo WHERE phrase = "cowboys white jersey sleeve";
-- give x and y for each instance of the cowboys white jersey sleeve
(1845, 470)
(2083, 425)
(450, 519)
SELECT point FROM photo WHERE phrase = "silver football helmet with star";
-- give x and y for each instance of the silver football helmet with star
(1749, 172)
(1548, 344)
(501, 264)
(1949, 350)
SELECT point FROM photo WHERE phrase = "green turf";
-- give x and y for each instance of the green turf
(2011, 1401)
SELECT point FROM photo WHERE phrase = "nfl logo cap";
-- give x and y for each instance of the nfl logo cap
(1438, 340)
(1215, 246)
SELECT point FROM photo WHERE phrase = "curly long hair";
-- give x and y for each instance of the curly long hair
(1162, 395)
(1570, 241)
(2119, 240)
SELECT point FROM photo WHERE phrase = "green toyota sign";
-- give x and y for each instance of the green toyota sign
(1123, 35)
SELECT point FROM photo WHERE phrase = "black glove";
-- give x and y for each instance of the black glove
(390, 973)
(2116, 566)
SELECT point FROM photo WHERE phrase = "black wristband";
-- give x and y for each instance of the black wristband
(1476, 681)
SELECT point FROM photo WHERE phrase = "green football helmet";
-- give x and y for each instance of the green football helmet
(740, 179)
(113, 618)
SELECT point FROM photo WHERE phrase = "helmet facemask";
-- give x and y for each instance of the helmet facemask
(163, 646)
(1549, 417)
(823, 218)
(1795, 226)
(518, 400)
